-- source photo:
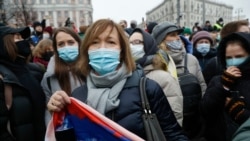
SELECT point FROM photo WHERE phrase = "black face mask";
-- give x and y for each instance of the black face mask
(23, 48)
(46, 56)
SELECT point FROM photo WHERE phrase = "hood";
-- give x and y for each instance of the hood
(150, 46)
(243, 37)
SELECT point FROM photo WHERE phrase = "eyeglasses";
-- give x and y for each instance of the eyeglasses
(136, 42)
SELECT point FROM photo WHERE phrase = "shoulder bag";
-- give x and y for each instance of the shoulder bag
(151, 125)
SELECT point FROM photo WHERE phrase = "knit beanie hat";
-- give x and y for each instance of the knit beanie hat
(161, 30)
(35, 24)
(187, 31)
(202, 35)
(150, 26)
(49, 30)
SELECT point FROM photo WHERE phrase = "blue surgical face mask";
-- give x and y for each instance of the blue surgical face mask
(68, 53)
(235, 61)
(175, 45)
(203, 48)
(104, 60)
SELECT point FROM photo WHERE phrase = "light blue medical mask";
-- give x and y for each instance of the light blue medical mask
(175, 45)
(235, 61)
(203, 48)
(104, 60)
(68, 53)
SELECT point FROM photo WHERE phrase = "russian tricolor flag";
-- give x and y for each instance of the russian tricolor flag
(86, 124)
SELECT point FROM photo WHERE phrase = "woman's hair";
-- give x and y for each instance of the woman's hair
(232, 27)
(92, 33)
(10, 46)
(61, 68)
(41, 47)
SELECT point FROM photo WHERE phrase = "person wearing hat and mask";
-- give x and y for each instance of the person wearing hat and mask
(219, 24)
(167, 38)
(22, 101)
(37, 34)
(48, 32)
(226, 103)
(146, 53)
(202, 47)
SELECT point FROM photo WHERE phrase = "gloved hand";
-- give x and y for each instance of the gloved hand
(229, 76)
(236, 108)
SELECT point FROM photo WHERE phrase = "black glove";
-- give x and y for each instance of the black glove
(236, 108)
(227, 79)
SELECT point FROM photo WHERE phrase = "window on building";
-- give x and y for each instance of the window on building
(50, 14)
(59, 14)
(66, 14)
(81, 14)
(58, 1)
(185, 6)
(49, 1)
(42, 14)
(65, 1)
(80, 1)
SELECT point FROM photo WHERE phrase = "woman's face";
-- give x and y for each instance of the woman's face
(63, 39)
(203, 41)
(235, 50)
(136, 38)
(107, 39)
(172, 36)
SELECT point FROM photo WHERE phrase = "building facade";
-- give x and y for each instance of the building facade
(191, 11)
(56, 12)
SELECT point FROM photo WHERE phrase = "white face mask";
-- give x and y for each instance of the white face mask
(137, 51)
(46, 36)
(203, 48)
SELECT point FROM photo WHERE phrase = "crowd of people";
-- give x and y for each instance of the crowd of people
(102, 64)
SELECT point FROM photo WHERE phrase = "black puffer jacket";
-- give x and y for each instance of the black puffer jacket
(20, 114)
(129, 113)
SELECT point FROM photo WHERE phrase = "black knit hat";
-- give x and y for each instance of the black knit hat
(35, 24)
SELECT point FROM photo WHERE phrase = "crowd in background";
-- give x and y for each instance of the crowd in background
(101, 65)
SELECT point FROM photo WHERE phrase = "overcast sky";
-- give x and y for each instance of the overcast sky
(136, 9)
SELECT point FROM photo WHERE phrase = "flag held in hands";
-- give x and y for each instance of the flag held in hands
(80, 122)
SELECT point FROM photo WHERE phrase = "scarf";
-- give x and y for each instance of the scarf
(103, 91)
(177, 55)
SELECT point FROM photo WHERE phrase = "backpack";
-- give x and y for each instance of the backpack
(192, 94)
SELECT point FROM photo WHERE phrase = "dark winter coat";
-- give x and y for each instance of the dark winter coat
(129, 113)
(204, 59)
(220, 127)
(212, 68)
(20, 115)
(28, 98)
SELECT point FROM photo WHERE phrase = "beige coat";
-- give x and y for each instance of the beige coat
(170, 87)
